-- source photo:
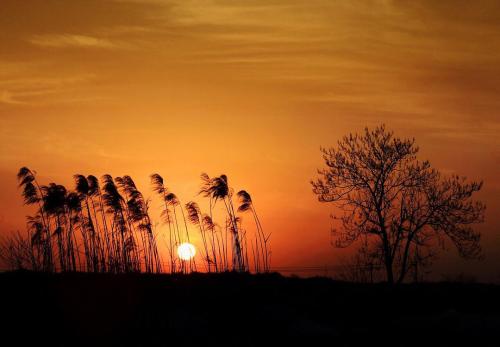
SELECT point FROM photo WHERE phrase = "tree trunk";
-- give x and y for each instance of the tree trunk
(388, 268)
(388, 259)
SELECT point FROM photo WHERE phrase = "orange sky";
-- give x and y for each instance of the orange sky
(251, 89)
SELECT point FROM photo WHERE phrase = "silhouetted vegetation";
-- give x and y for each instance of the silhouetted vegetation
(216, 189)
(261, 253)
(399, 208)
(109, 229)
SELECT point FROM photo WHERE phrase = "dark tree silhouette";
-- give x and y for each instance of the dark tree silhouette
(402, 206)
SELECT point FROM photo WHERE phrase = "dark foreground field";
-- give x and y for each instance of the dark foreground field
(240, 310)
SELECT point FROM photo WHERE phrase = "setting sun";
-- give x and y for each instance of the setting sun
(186, 251)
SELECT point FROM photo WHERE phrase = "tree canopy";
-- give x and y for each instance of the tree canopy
(401, 207)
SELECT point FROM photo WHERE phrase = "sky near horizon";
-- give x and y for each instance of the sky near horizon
(251, 89)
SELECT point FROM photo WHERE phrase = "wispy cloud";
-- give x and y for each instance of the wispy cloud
(372, 58)
(7, 97)
(73, 41)
(42, 90)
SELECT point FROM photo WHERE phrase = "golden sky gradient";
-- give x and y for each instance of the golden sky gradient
(251, 89)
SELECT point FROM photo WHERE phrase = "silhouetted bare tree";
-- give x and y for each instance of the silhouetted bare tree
(17, 252)
(403, 206)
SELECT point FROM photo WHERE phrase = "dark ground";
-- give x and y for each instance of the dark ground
(241, 310)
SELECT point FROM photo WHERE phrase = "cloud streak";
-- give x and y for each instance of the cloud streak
(43, 90)
(72, 41)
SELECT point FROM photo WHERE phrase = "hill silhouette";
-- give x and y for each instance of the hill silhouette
(240, 309)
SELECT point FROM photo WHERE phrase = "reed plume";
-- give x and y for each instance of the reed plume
(217, 188)
(138, 214)
(262, 252)
(110, 221)
(160, 188)
(116, 208)
(32, 194)
(195, 217)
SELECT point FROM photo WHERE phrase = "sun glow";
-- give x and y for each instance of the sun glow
(186, 251)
